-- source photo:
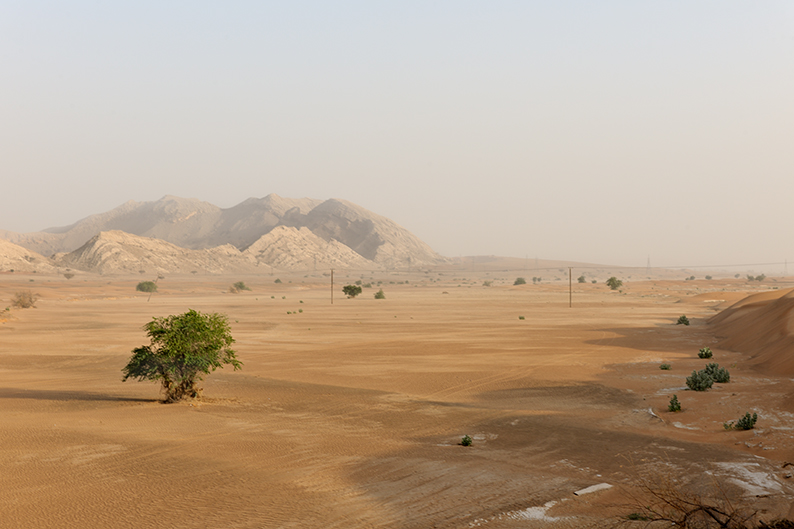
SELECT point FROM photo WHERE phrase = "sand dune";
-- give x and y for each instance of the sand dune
(762, 325)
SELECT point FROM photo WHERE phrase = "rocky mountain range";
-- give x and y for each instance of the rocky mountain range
(178, 235)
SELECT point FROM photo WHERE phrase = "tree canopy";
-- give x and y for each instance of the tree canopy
(183, 348)
(351, 291)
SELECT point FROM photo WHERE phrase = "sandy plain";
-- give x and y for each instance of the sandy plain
(350, 415)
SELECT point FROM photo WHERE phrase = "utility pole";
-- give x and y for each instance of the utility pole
(332, 286)
(570, 287)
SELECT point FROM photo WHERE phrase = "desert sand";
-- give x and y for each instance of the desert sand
(350, 415)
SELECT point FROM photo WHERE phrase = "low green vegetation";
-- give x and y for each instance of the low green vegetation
(581, 279)
(466, 441)
(277, 280)
(520, 281)
(521, 318)
(665, 367)
(745, 423)
(705, 352)
(146, 286)
(718, 374)
(614, 283)
(380, 295)
(351, 291)
(674, 405)
(699, 381)
(682, 320)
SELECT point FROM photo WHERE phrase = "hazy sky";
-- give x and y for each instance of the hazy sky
(595, 131)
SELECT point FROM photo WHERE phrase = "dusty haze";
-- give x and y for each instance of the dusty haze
(600, 133)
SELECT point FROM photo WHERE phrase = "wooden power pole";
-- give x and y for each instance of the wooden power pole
(570, 287)
(332, 286)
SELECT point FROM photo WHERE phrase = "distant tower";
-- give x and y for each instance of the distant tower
(648, 266)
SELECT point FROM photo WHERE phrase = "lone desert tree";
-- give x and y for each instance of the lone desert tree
(183, 348)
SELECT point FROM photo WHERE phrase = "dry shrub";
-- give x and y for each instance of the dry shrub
(661, 501)
(24, 299)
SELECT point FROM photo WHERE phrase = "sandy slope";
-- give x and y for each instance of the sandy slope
(349, 415)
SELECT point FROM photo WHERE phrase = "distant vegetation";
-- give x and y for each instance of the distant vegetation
(24, 299)
(238, 287)
(699, 381)
(756, 278)
(146, 286)
(351, 291)
(466, 441)
(682, 320)
(665, 367)
(68, 275)
(614, 283)
(581, 279)
(277, 280)
(705, 352)
(380, 295)
(520, 281)
(674, 405)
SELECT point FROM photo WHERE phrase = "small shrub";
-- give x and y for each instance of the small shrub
(367, 285)
(466, 441)
(614, 283)
(708, 278)
(699, 381)
(581, 279)
(277, 280)
(301, 301)
(674, 405)
(24, 299)
(705, 352)
(520, 281)
(238, 287)
(380, 295)
(747, 422)
(682, 320)
(300, 310)
(760, 277)
(146, 286)
(636, 516)
(358, 282)
(665, 367)
(521, 318)
(68, 275)
(718, 374)
(487, 283)
(594, 281)
(351, 291)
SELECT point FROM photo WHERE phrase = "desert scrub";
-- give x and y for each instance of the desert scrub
(665, 367)
(24, 299)
(718, 374)
(466, 441)
(705, 352)
(699, 381)
(238, 287)
(380, 295)
(146, 286)
(520, 281)
(682, 320)
(745, 423)
(674, 405)
(521, 318)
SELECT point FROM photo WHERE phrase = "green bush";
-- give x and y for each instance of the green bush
(705, 352)
(718, 374)
(699, 381)
(614, 283)
(487, 283)
(520, 281)
(277, 281)
(674, 405)
(380, 295)
(351, 291)
(182, 349)
(466, 441)
(682, 320)
(521, 317)
(594, 281)
(581, 279)
(708, 278)
(665, 367)
(747, 422)
(146, 286)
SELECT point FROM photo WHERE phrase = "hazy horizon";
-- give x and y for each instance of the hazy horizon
(606, 133)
